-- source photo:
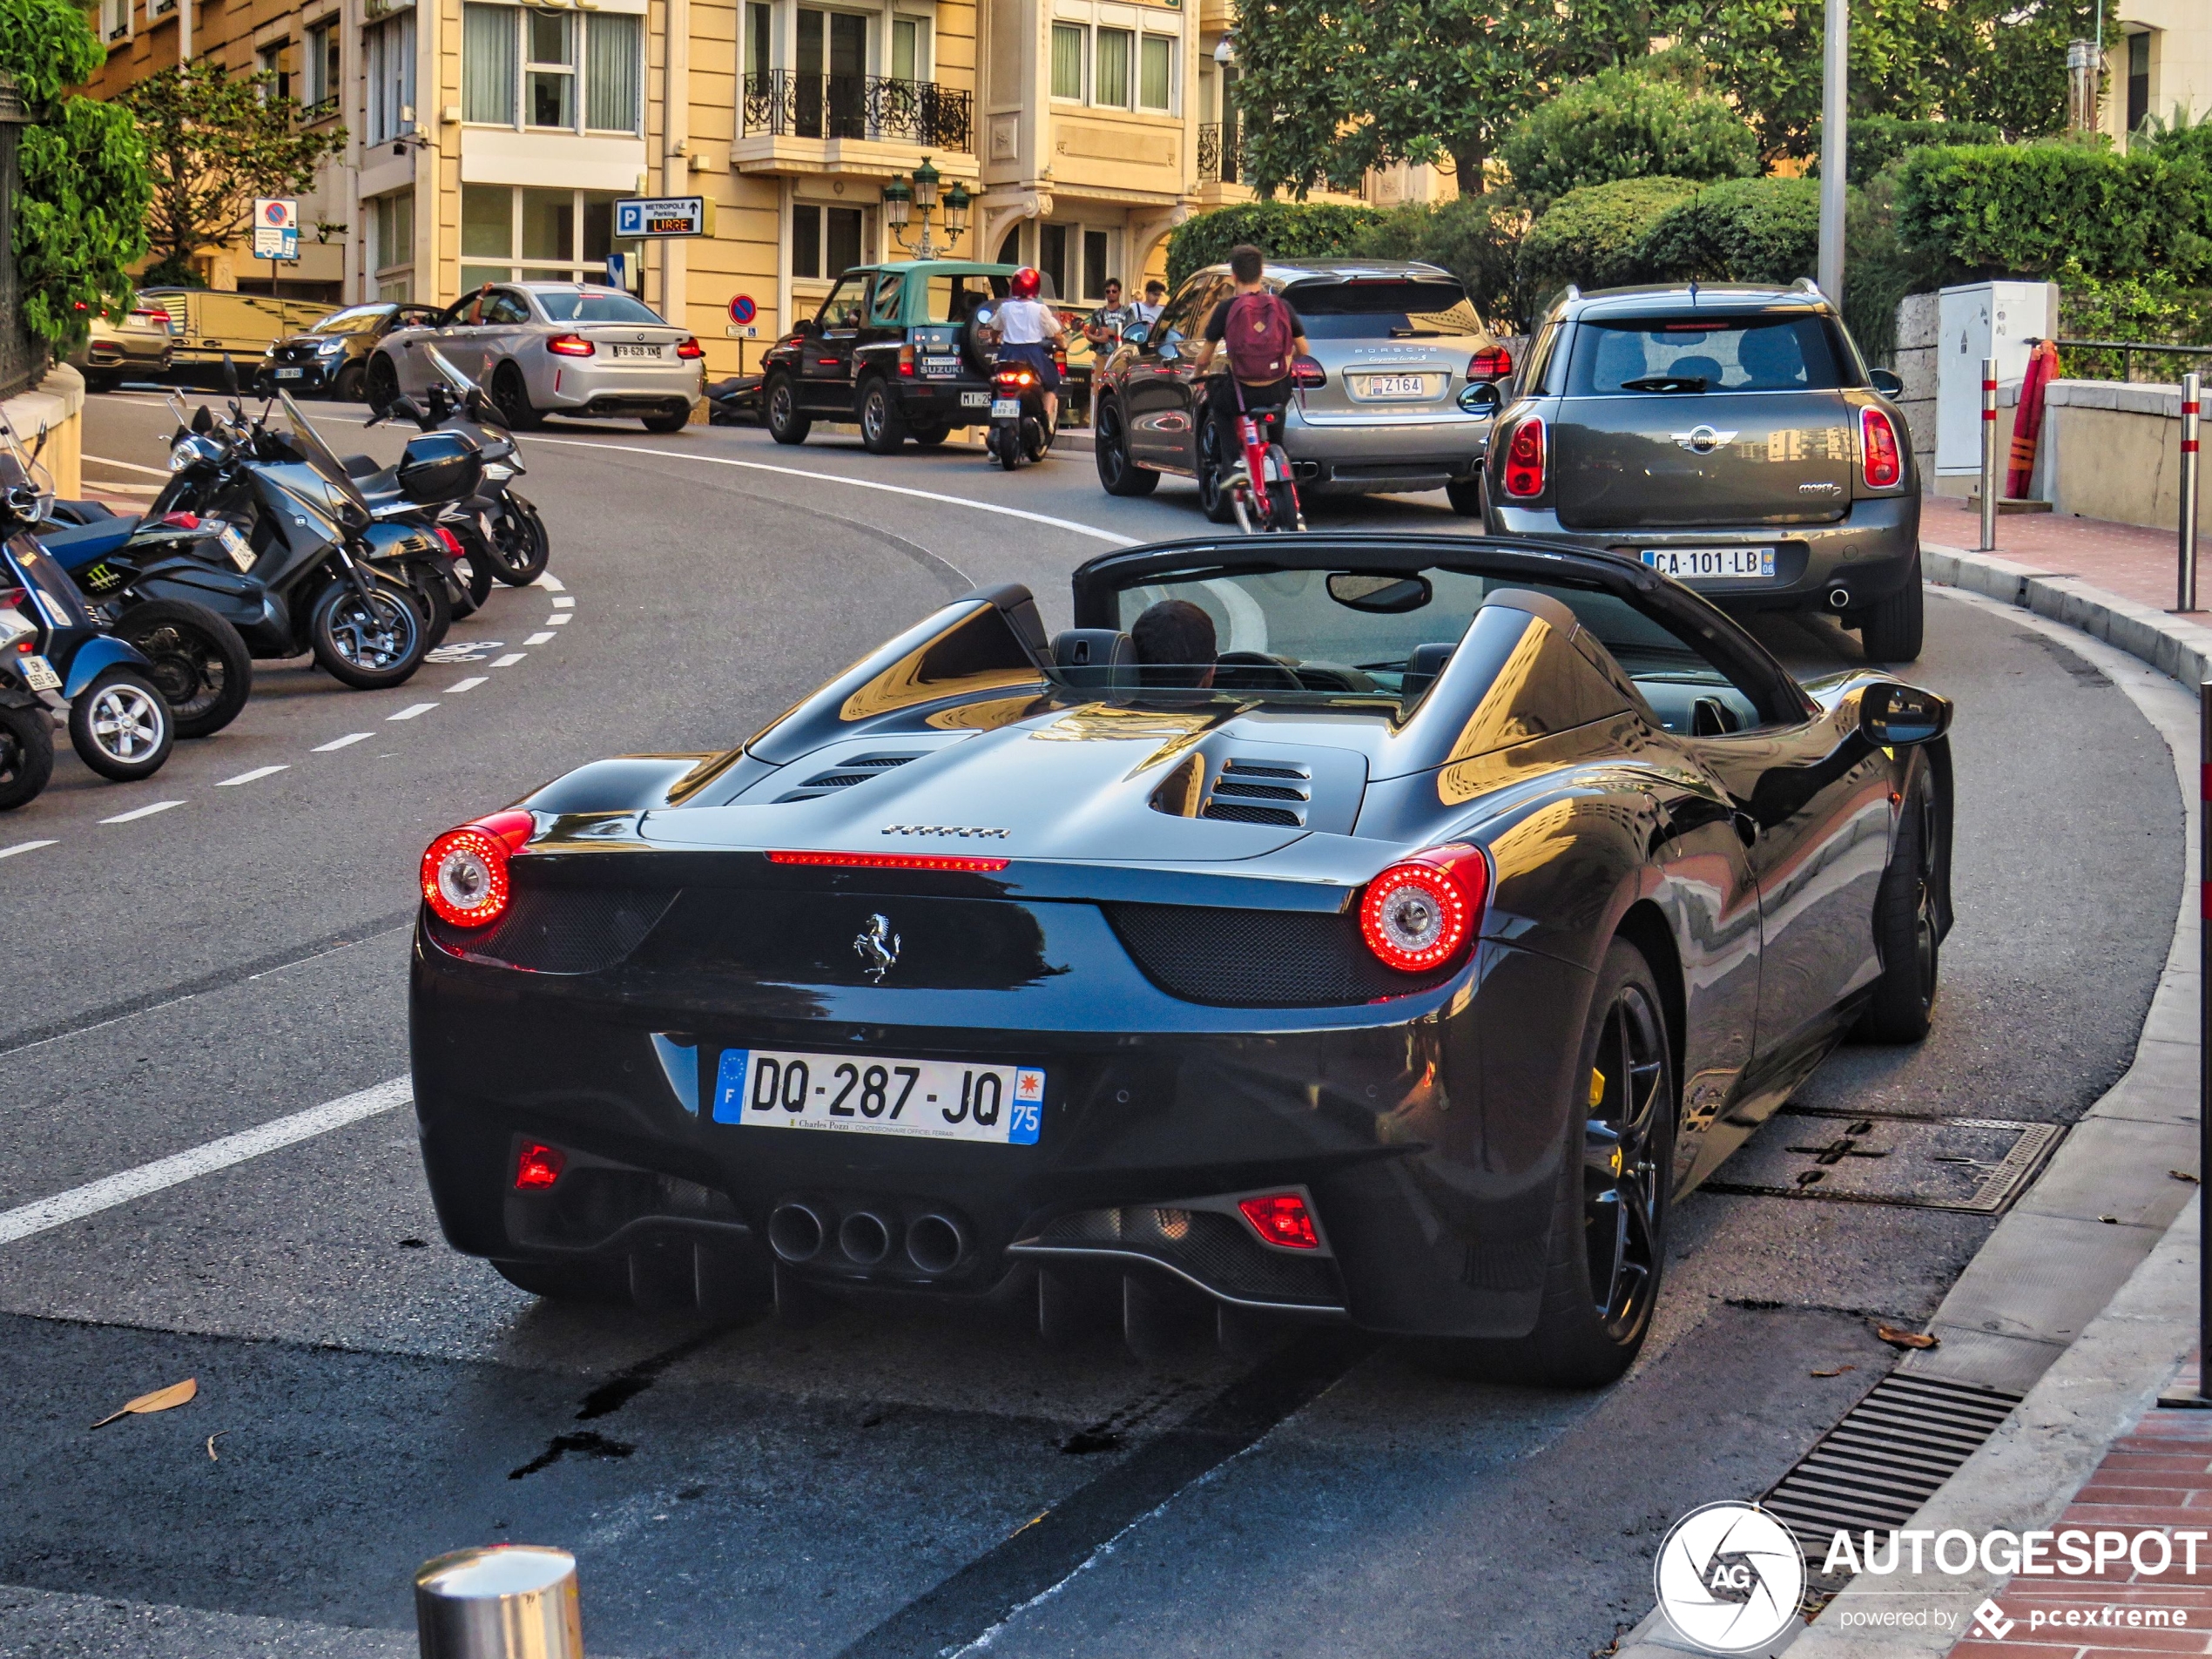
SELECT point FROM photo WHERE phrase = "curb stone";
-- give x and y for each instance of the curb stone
(2134, 1306)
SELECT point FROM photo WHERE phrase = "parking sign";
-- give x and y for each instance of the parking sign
(276, 227)
(663, 216)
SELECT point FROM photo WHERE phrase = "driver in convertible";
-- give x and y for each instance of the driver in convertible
(1174, 646)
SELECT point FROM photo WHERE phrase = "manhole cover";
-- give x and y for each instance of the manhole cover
(1972, 1163)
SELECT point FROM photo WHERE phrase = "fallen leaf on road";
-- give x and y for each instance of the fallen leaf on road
(1838, 1372)
(1897, 1339)
(212, 1439)
(2183, 1175)
(161, 1400)
(2113, 1221)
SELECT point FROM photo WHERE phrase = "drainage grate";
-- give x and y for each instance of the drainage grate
(1976, 1164)
(1886, 1458)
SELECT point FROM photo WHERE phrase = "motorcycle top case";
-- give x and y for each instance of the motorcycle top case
(440, 467)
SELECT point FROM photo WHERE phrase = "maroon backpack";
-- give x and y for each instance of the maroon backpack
(1259, 337)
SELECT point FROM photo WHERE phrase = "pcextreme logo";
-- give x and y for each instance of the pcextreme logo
(1730, 1577)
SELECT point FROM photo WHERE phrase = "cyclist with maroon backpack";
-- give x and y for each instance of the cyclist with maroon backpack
(1263, 338)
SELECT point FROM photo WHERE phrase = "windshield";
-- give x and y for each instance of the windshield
(1663, 355)
(1394, 309)
(584, 305)
(357, 320)
(319, 455)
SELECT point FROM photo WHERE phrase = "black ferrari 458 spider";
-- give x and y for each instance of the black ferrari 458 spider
(1372, 928)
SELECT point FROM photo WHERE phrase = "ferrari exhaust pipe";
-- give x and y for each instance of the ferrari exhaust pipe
(796, 1231)
(935, 1244)
(1839, 599)
(865, 1238)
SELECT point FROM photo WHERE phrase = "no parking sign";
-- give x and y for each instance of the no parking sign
(743, 312)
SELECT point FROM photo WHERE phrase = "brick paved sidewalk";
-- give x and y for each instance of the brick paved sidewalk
(2155, 1479)
(2125, 559)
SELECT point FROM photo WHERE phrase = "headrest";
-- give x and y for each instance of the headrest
(1422, 667)
(1095, 656)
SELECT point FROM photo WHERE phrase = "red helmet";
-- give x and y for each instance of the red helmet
(1026, 283)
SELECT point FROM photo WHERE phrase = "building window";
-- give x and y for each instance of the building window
(612, 73)
(826, 241)
(513, 235)
(322, 71)
(1078, 257)
(115, 19)
(2138, 80)
(488, 64)
(549, 91)
(758, 32)
(270, 60)
(1068, 44)
(1156, 74)
(390, 47)
(391, 244)
(520, 67)
(1115, 47)
(910, 48)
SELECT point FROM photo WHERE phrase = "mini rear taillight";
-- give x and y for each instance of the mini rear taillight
(538, 1166)
(1419, 913)
(1878, 455)
(688, 347)
(1525, 458)
(1282, 1218)
(1491, 363)
(464, 871)
(571, 346)
(891, 860)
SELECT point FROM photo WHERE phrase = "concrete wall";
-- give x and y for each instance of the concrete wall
(57, 404)
(1917, 329)
(2113, 451)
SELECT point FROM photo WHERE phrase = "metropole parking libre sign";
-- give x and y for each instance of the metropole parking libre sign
(638, 216)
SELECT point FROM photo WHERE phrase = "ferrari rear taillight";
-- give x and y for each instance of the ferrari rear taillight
(1491, 363)
(891, 860)
(1525, 458)
(689, 347)
(1282, 1218)
(1878, 454)
(538, 1166)
(1418, 913)
(571, 346)
(464, 871)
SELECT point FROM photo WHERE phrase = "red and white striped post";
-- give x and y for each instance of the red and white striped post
(2204, 1003)
(1989, 476)
(2191, 397)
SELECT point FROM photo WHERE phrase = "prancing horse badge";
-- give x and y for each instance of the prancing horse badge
(878, 947)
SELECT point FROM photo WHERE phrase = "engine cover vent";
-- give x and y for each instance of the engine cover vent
(1262, 791)
(846, 774)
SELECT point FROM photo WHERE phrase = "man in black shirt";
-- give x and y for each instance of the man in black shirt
(1238, 391)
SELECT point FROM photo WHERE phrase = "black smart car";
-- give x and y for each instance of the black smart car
(332, 356)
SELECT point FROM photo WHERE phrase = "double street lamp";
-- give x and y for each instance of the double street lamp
(903, 198)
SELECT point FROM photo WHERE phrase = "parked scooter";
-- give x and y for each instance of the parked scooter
(496, 525)
(1019, 429)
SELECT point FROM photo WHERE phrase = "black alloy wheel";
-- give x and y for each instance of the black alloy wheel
(381, 382)
(667, 420)
(347, 388)
(1465, 495)
(367, 642)
(515, 537)
(785, 423)
(512, 396)
(1213, 501)
(199, 663)
(1624, 1172)
(26, 755)
(882, 428)
(928, 437)
(1118, 473)
(1906, 933)
(1889, 629)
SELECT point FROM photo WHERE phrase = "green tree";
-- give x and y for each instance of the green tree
(1477, 239)
(1331, 91)
(1594, 237)
(80, 212)
(214, 142)
(1281, 230)
(1623, 125)
(1746, 230)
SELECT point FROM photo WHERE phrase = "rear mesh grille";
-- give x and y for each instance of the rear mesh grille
(1207, 1245)
(1258, 959)
(1886, 1458)
(1287, 782)
(564, 930)
(1238, 812)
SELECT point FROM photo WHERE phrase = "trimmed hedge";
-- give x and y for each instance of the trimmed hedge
(1594, 237)
(1620, 125)
(1875, 141)
(2026, 209)
(1746, 230)
(1284, 230)
(1476, 238)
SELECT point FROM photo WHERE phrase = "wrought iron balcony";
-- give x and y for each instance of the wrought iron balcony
(322, 110)
(785, 104)
(1220, 151)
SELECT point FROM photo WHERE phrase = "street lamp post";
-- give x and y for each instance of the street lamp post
(1833, 164)
(903, 198)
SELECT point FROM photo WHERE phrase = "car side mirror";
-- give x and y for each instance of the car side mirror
(1482, 398)
(1894, 717)
(230, 373)
(1169, 350)
(1134, 333)
(1887, 382)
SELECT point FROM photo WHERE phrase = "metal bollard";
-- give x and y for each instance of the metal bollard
(2190, 396)
(1989, 477)
(508, 1601)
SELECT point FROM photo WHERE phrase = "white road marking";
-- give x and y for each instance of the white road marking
(142, 812)
(538, 639)
(249, 777)
(551, 582)
(90, 1199)
(468, 684)
(411, 710)
(563, 601)
(341, 743)
(559, 617)
(510, 659)
(1095, 533)
(128, 466)
(24, 847)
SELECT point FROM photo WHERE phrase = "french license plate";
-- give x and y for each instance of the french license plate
(1396, 386)
(237, 546)
(1739, 563)
(937, 1100)
(973, 400)
(635, 351)
(939, 369)
(290, 374)
(1006, 409)
(39, 674)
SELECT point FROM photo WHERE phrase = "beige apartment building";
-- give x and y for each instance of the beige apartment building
(2158, 56)
(491, 139)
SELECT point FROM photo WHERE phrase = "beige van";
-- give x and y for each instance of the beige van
(208, 325)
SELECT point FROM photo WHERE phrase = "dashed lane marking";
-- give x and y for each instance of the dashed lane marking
(44, 1214)
(538, 639)
(411, 710)
(24, 847)
(551, 582)
(340, 742)
(468, 684)
(128, 466)
(250, 776)
(563, 601)
(142, 812)
(511, 659)
(1068, 524)
(559, 617)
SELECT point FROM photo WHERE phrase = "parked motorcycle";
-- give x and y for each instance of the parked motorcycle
(1019, 429)
(496, 525)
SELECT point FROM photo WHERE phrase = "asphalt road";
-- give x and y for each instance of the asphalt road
(866, 1486)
